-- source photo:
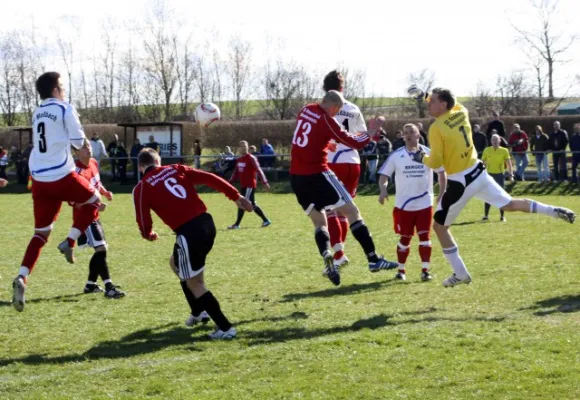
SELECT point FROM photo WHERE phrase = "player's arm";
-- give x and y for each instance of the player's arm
(143, 213)
(434, 160)
(73, 126)
(508, 163)
(386, 170)
(442, 179)
(261, 175)
(340, 135)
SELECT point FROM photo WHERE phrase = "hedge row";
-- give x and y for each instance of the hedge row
(279, 133)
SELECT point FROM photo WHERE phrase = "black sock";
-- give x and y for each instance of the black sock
(501, 213)
(322, 239)
(100, 258)
(362, 234)
(212, 307)
(260, 213)
(240, 216)
(487, 207)
(94, 269)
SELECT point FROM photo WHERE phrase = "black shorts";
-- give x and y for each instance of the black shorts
(319, 191)
(93, 237)
(249, 193)
(193, 243)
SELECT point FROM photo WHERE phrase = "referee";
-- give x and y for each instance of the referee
(496, 159)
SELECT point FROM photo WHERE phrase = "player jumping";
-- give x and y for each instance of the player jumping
(246, 169)
(413, 201)
(317, 188)
(94, 236)
(452, 147)
(56, 127)
(169, 192)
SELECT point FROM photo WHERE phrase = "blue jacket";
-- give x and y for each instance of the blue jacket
(575, 143)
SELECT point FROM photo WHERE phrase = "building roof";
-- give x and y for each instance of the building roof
(570, 106)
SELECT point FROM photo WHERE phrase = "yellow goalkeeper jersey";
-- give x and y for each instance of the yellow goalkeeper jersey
(450, 142)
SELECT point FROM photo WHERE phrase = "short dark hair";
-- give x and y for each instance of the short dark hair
(46, 83)
(147, 156)
(333, 81)
(446, 96)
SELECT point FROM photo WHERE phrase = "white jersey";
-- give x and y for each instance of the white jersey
(56, 127)
(352, 120)
(414, 180)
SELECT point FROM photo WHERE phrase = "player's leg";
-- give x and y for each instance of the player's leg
(401, 225)
(322, 240)
(486, 208)
(245, 192)
(350, 178)
(265, 221)
(335, 233)
(96, 239)
(423, 224)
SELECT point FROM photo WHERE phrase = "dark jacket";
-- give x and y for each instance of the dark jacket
(498, 126)
(559, 140)
(424, 137)
(398, 143)
(575, 144)
(370, 150)
(136, 149)
(480, 142)
(384, 148)
(539, 143)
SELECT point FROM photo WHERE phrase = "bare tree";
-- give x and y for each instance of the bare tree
(514, 92)
(425, 79)
(354, 84)
(282, 85)
(67, 34)
(545, 42)
(129, 83)
(482, 102)
(239, 70)
(108, 62)
(185, 70)
(9, 84)
(217, 81)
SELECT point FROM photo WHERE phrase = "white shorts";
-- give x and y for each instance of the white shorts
(461, 187)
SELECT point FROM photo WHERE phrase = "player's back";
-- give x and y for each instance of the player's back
(351, 118)
(450, 136)
(310, 141)
(51, 158)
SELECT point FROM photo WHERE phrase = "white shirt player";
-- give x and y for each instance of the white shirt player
(56, 126)
(352, 120)
(414, 180)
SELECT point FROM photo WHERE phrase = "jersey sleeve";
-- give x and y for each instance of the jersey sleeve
(73, 127)
(142, 211)
(197, 177)
(341, 136)
(388, 167)
(261, 174)
(434, 160)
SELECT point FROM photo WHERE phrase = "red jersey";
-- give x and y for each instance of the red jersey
(314, 130)
(247, 167)
(91, 174)
(169, 191)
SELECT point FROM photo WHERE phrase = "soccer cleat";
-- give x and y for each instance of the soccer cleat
(203, 318)
(341, 262)
(401, 276)
(92, 289)
(453, 280)
(485, 218)
(18, 289)
(221, 335)
(426, 276)
(234, 226)
(565, 214)
(382, 264)
(68, 251)
(266, 223)
(330, 270)
(502, 219)
(113, 292)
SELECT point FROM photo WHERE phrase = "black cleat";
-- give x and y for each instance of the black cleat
(92, 289)
(113, 292)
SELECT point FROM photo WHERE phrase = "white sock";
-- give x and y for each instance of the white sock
(338, 247)
(452, 255)
(426, 265)
(541, 208)
(89, 283)
(107, 281)
(74, 234)
(24, 271)
(402, 268)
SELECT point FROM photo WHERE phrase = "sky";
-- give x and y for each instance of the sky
(464, 42)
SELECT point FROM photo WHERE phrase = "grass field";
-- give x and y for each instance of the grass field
(513, 334)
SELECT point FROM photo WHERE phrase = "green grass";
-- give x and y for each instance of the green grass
(512, 334)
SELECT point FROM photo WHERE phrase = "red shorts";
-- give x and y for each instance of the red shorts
(47, 197)
(348, 174)
(407, 221)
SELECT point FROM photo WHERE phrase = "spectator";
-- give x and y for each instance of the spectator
(254, 151)
(518, 141)
(399, 142)
(558, 144)
(16, 160)
(122, 162)
(383, 148)
(98, 148)
(495, 159)
(479, 140)
(423, 134)
(153, 144)
(539, 145)
(112, 152)
(496, 124)
(135, 149)
(575, 148)
(377, 124)
(3, 163)
(25, 158)
(197, 153)
(370, 153)
(268, 151)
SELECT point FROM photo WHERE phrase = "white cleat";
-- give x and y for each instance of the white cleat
(453, 280)
(221, 335)
(341, 262)
(401, 276)
(203, 318)
(18, 289)
(565, 214)
(68, 251)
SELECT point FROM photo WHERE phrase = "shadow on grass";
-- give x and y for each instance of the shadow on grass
(66, 298)
(338, 291)
(561, 304)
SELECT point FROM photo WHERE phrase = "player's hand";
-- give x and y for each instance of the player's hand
(3, 183)
(153, 236)
(418, 156)
(102, 207)
(108, 195)
(245, 204)
(332, 146)
(266, 187)
(383, 196)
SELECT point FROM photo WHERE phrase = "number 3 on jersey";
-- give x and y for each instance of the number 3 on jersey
(41, 138)
(301, 133)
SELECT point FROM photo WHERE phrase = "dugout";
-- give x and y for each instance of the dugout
(169, 135)
(22, 132)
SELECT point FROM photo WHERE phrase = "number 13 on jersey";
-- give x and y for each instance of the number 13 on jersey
(300, 137)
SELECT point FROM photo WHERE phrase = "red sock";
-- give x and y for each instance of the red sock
(33, 251)
(344, 228)
(425, 247)
(334, 230)
(403, 249)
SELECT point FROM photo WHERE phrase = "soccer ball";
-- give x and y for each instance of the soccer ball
(416, 93)
(206, 114)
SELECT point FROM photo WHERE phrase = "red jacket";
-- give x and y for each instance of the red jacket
(247, 167)
(314, 130)
(515, 137)
(169, 191)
